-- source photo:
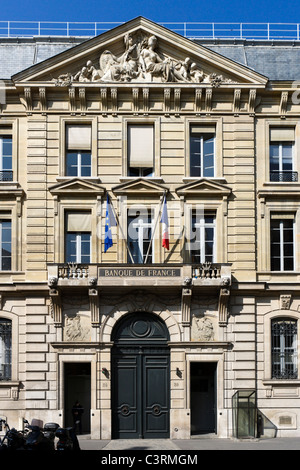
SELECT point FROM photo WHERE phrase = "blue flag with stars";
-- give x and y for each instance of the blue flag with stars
(110, 221)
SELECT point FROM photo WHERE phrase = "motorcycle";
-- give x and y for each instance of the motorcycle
(67, 439)
(40, 438)
(13, 439)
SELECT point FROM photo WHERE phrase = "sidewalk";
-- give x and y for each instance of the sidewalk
(204, 443)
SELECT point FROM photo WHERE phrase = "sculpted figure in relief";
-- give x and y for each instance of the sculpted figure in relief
(203, 329)
(74, 330)
(140, 62)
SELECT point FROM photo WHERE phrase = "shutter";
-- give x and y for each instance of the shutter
(140, 146)
(79, 222)
(282, 134)
(79, 137)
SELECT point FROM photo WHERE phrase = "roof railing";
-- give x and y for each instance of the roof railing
(191, 30)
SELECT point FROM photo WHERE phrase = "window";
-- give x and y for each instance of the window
(284, 348)
(282, 155)
(5, 244)
(140, 150)
(78, 152)
(5, 349)
(78, 237)
(139, 233)
(282, 242)
(202, 151)
(6, 173)
(202, 243)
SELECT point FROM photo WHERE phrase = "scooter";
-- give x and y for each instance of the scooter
(40, 438)
(67, 439)
(13, 439)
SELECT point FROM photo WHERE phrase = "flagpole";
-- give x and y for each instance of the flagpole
(118, 221)
(159, 212)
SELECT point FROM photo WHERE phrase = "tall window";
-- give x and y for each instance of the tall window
(139, 233)
(284, 349)
(282, 242)
(5, 244)
(5, 349)
(282, 155)
(140, 150)
(6, 173)
(202, 151)
(78, 237)
(78, 152)
(202, 243)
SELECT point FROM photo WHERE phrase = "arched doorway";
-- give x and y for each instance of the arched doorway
(140, 378)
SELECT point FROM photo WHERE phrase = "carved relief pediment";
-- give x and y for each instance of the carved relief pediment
(76, 186)
(141, 186)
(139, 51)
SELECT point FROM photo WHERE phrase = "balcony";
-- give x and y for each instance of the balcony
(98, 275)
(6, 175)
(285, 176)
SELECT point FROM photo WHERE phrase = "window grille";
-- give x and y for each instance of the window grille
(284, 349)
(5, 349)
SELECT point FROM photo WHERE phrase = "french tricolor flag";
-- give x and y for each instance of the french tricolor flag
(165, 225)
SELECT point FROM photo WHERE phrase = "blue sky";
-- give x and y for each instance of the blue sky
(283, 11)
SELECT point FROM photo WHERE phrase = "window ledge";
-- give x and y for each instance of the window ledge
(12, 272)
(9, 383)
(284, 382)
(282, 183)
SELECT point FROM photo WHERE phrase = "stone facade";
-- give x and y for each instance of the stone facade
(216, 312)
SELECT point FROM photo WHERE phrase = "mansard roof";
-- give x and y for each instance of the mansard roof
(277, 60)
(139, 51)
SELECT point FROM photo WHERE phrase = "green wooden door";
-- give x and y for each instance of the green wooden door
(140, 379)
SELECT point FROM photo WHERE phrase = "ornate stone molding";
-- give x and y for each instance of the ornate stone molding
(72, 99)
(186, 298)
(43, 98)
(141, 61)
(94, 307)
(251, 103)
(198, 98)
(285, 301)
(237, 101)
(283, 103)
(223, 306)
(56, 307)
(28, 98)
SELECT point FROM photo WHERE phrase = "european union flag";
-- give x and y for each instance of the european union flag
(110, 221)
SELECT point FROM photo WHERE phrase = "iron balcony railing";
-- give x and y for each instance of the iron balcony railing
(6, 175)
(192, 30)
(284, 176)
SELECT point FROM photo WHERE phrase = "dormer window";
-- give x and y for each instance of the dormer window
(78, 152)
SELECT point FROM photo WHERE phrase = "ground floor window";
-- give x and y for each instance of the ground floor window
(5, 349)
(284, 349)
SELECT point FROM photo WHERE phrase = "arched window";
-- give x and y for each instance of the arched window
(284, 349)
(5, 349)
